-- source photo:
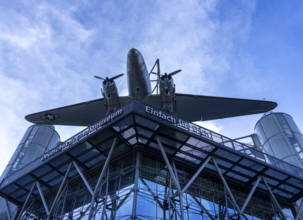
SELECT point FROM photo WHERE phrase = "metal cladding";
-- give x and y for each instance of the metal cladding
(36, 141)
(281, 138)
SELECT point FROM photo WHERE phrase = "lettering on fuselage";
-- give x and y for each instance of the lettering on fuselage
(82, 135)
(179, 122)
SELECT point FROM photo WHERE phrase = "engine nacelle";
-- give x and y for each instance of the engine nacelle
(111, 96)
(110, 93)
(167, 93)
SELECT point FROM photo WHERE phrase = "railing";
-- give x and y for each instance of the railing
(252, 151)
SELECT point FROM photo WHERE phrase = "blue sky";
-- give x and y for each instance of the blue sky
(50, 51)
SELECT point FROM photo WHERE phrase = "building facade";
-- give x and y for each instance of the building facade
(142, 163)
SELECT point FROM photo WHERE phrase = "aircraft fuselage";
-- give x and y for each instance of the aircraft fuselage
(137, 76)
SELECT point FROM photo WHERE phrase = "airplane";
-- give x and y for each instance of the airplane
(189, 107)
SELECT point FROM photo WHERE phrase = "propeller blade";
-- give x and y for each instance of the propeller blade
(175, 72)
(116, 77)
(98, 77)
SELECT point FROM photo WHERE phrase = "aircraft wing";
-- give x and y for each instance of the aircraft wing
(188, 107)
(197, 107)
(82, 114)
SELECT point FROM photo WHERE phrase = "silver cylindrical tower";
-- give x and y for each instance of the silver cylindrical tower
(281, 138)
(36, 140)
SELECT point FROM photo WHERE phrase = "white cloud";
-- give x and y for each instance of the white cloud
(24, 39)
(210, 125)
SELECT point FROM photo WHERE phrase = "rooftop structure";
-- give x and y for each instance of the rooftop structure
(140, 162)
(281, 138)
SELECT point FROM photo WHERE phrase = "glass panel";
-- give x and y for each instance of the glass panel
(143, 132)
(129, 132)
(173, 133)
(146, 123)
(270, 126)
(292, 124)
(123, 124)
(259, 130)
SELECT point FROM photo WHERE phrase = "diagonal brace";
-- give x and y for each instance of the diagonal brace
(250, 194)
(101, 177)
(83, 178)
(42, 198)
(8, 210)
(26, 201)
(175, 179)
(226, 186)
(300, 210)
(196, 175)
(170, 169)
(274, 198)
(59, 191)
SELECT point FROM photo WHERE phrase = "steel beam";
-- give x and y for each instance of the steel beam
(300, 210)
(100, 178)
(105, 200)
(194, 177)
(250, 194)
(136, 186)
(181, 194)
(274, 198)
(203, 208)
(8, 211)
(171, 172)
(42, 198)
(59, 191)
(155, 197)
(83, 178)
(26, 201)
(226, 186)
(224, 210)
(168, 165)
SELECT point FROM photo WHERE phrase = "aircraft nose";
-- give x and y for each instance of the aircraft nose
(133, 51)
(134, 56)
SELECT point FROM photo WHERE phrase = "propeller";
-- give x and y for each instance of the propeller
(175, 72)
(110, 79)
(169, 75)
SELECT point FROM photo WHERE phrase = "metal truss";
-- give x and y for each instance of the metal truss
(175, 200)
(49, 208)
(7, 209)
(228, 193)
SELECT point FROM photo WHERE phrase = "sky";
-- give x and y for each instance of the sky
(50, 51)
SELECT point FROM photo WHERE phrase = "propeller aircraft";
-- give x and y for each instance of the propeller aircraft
(189, 107)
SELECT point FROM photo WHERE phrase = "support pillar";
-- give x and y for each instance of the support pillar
(136, 186)
(180, 193)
